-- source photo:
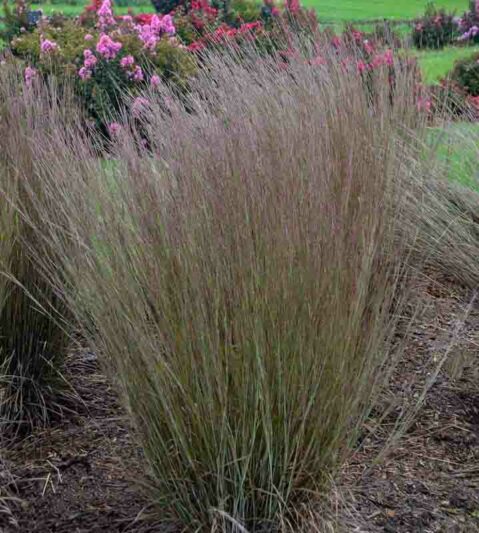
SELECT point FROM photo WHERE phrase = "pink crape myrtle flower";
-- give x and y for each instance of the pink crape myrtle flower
(388, 57)
(138, 74)
(336, 41)
(89, 60)
(85, 73)
(163, 24)
(424, 104)
(29, 75)
(167, 25)
(107, 47)
(105, 15)
(317, 61)
(368, 47)
(148, 37)
(362, 67)
(139, 105)
(47, 46)
(88, 37)
(114, 128)
(156, 24)
(127, 61)
(150, 34)
(196, 46)
(155, 80)
(293, 6)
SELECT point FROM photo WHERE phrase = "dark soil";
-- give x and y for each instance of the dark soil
(81, 475)
(429, 480)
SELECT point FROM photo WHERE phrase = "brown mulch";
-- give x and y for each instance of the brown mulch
(429, 480)
(81, 475)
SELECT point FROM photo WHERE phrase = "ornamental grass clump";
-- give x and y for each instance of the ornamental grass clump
(238, 257)
(33, 338)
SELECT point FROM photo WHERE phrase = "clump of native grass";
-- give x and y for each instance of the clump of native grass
(33, 339)
(242, 273)
(441, 212)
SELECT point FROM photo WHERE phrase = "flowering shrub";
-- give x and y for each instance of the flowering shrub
(435, 30)
(273, 31)
(466, 75)
(166, 6)
(106, 60)
(108, 56)
(469, 24)
(16, 19)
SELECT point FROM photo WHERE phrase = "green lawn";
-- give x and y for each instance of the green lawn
(436, 64)
(328, 10)
(457, 145)
(68, 9)
(351, 10)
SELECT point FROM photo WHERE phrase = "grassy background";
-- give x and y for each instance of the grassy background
(436, 64)
(70, 9)
(328, 10)
(344, 10)
(456, 146)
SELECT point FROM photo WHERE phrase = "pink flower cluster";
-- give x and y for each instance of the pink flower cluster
(384, 59)
(155, 80)
(151, 33)
(368, 47)
(470, 34)
(225, 34)
(137, 74)
(47, 46)
(474, 101)
(30, 74)
(293, 6)
(107, 47)
(424, 104)
(105, 15)
(114, 129)
(134, 72)
(127, 61)
(89, 62)
(205, 7)
(139, 106)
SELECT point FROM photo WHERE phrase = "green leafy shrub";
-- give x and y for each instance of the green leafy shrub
(466, 75)
(469, 24)
(15, 19)
(101, 76)
(243, 11)
(435, 29)
(166, 6)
